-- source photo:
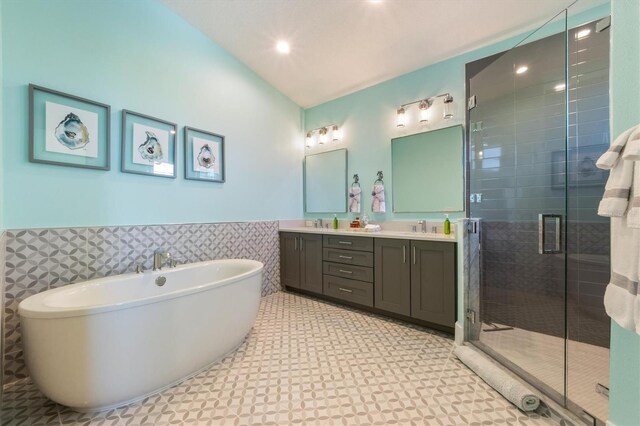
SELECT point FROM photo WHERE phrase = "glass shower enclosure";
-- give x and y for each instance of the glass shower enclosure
(538, 120)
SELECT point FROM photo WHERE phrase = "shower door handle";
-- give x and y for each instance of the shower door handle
(542, 233)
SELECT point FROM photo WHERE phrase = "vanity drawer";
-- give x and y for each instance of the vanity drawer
(350, 290)
(349, 243)
(361, 273)
(350, 257)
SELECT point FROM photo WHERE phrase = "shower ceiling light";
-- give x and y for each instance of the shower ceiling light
(283, 47)
(559, 87)
(583, 33)
(522, 69)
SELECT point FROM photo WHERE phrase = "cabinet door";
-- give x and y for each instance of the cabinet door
(433, 287)
(392, 285)
(290, 259)
(311, 262)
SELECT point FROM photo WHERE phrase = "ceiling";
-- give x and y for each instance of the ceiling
(341, 46)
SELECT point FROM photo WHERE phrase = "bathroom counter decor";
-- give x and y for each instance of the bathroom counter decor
(378, 234)
(111, 341)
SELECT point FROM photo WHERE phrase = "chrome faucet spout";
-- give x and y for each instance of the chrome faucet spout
(423, 226)
(160, 256)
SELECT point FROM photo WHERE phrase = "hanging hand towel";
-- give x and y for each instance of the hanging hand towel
(615, 200)
(354, 199)
(377, 203)
(620, 299)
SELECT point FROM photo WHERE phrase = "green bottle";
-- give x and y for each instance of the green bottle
(335, 221)
(447, 225)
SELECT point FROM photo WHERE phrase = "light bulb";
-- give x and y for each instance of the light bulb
(583, 33)
(283, 47)
(336, 133)
(323, 136)
(401, 117)
(424, 111)
(448, 107)
(522, 69)
(309, 140)
(560, 87)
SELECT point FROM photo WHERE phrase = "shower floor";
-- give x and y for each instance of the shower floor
(308, 362)
(542, 356)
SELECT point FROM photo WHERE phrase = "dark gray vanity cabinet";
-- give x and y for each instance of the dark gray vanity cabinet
(289, 259)
(433, 282)
(392, 283)
(301, 261)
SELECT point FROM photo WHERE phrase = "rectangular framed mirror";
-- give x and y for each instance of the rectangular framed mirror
(325, 182)
(428, 171)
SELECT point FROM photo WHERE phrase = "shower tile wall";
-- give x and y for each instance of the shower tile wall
(510, 162)
(40, 259)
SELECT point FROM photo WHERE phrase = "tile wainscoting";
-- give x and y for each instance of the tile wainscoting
(39, 259)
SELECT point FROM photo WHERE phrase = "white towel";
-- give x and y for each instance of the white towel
(377, 203)
(621, 297)
(615, 200)
(631, 154)
(354, 199)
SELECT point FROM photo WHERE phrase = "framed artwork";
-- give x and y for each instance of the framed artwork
(582, 167)
(203, 155)
(67, 130)
(148, 145)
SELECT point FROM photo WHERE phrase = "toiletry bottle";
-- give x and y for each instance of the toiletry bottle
(447, 225)
(335, 221)
(365, 220)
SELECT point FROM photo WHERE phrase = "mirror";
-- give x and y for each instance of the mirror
(325, 182)
(427, 171)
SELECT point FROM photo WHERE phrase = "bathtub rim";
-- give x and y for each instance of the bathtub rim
(34, 306)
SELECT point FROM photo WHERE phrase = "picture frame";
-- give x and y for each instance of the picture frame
(203, 155)
(583, 171)
(148, 146)
(68, 130)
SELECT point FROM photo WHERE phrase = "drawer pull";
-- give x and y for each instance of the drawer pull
(345, 272)
(346, 257)
(345, 242)
(346, 290)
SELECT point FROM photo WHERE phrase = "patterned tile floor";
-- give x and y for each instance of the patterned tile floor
(309, 363)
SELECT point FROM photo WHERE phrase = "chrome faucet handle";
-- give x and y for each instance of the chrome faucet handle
(173, 262)
(139, 268)
(414, 228)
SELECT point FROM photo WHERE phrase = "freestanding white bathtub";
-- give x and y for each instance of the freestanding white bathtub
(111, 341)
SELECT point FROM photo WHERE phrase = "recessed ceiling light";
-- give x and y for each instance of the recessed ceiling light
(583, 33)
(283, 47)
(560, 87)
(522, 69)
(375, 1)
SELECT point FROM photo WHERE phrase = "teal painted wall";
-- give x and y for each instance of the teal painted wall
(624, 399)
(141, 56)
(368, 116)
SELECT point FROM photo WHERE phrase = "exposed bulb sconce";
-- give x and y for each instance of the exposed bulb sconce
(401, 117)
(448, 107)
(323, 135)
(423, 106)
(424, 111)
(336, 133)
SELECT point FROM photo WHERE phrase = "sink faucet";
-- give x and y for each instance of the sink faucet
(160, 256)
(423, 226)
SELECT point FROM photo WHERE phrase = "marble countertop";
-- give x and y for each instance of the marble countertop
(380, 234)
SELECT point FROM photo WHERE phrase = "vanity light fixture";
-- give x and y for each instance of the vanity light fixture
(323, 135)
(423, 106)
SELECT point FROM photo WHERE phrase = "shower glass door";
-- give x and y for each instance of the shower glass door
(540, 120)
(517, 185)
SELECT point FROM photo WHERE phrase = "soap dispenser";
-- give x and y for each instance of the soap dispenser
(335, 221)
(447, 225)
